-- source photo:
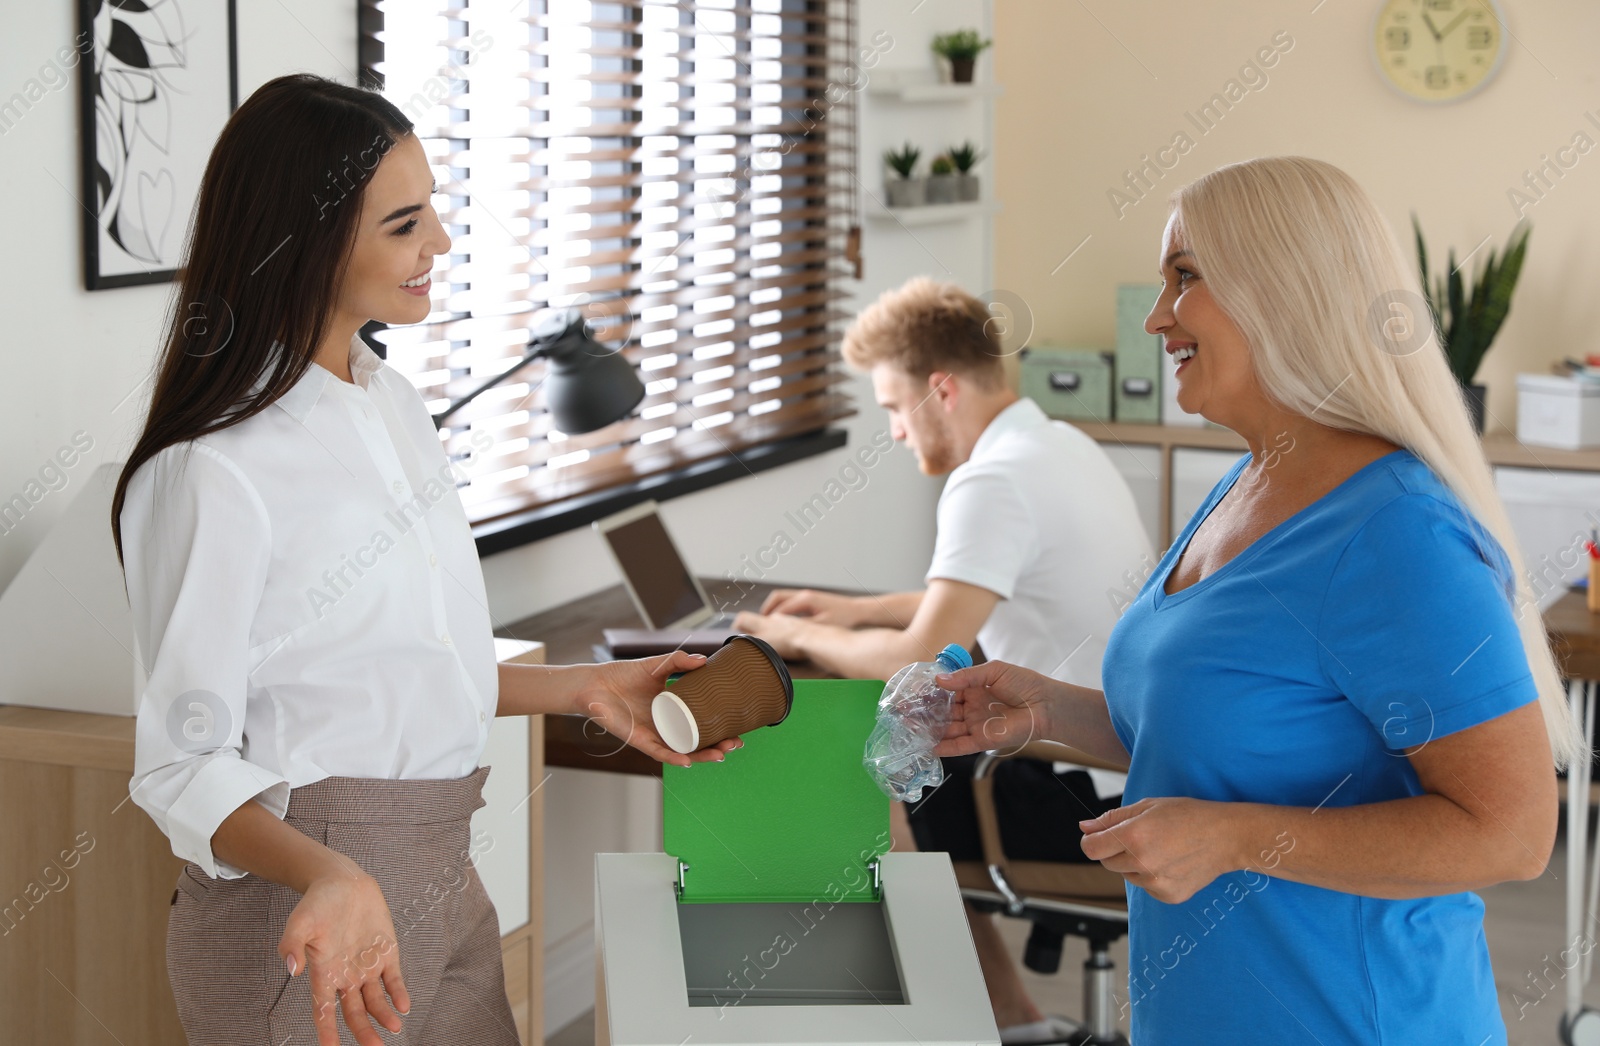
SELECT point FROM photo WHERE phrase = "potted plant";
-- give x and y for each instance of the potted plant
(961, 48)
(1476, 311)
(942, 182)
(965, 157)
(904, 190)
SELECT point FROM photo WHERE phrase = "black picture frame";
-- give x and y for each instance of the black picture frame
(148, 92)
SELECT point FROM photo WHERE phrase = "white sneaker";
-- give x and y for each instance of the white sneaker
(1037, 1033)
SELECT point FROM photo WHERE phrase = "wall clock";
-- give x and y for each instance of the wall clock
(1438, 50)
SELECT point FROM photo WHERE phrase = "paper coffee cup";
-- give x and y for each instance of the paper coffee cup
(744, 685)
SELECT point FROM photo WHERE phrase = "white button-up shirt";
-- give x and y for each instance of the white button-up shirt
(307, 602)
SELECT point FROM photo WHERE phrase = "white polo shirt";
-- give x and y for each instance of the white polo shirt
(1040, 516)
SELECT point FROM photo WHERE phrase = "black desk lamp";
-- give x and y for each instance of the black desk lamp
(588, 387)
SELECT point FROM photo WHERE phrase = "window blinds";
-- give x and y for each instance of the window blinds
(683, 172)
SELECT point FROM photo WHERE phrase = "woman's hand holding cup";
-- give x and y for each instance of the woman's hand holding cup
(619, 697)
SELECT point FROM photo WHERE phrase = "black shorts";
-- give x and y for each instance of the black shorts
(1038, 810)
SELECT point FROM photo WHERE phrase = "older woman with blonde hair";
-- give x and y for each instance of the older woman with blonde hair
(1337, 706)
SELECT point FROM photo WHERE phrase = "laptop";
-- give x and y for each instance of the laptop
(664, 590)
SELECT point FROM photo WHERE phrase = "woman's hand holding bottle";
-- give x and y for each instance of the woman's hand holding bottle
(997, 706)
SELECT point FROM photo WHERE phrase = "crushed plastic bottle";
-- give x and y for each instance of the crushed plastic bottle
(912, 715)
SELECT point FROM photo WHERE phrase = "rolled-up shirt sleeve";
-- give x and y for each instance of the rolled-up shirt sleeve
(196, 550)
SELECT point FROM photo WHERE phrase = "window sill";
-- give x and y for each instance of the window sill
(547, 521)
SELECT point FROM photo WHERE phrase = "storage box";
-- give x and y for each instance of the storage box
(1558, 412)
(1074, 384)
(1139, 356)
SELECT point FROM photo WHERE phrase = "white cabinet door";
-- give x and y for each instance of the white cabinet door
(1141, 470)
(1552, 513)
(1195, 473)
(500, 829)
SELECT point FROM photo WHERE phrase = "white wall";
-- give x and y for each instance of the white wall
(74, 360)
(1088, 95)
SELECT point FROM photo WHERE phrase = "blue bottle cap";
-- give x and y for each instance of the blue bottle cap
(954, 658)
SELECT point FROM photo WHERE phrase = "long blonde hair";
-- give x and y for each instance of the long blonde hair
(1299, 257)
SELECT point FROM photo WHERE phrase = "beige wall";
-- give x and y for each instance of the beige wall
(1086, 100)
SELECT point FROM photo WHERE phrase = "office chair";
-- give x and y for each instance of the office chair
(1084, 900)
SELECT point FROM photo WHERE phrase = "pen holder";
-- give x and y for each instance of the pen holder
(1594, 585)
(745, 684)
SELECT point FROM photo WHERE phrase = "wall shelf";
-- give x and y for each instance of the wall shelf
(931, 90)
(934, 213)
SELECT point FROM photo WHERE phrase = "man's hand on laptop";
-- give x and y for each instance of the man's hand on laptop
(825, 608)
(780, 631)
(618, 695)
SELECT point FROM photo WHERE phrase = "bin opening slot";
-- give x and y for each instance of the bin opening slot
(789, 954)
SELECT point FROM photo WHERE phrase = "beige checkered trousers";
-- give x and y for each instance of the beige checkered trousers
(414, 838)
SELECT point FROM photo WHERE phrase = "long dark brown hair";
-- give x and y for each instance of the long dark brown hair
(273, 231)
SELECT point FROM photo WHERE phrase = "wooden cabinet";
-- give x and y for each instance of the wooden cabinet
(86, 879)
(1549, 494)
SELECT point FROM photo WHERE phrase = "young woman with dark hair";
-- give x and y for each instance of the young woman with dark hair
(310, 608)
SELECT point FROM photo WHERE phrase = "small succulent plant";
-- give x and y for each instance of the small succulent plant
(965, 156)
(903, 161)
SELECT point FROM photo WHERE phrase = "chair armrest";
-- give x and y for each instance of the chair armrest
(994, 856)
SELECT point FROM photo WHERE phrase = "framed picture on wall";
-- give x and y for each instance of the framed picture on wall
(155, 90)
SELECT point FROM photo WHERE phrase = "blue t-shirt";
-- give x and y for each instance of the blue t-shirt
(1370, 621)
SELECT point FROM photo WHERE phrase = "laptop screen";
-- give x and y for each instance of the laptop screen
(650, 559)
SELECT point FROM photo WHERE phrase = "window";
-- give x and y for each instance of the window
(683, 172)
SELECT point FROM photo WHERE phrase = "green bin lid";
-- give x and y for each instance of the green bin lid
(791, 816)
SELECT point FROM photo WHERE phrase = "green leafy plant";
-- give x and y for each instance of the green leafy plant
(965, 156)
(903, 161)
(941, 165)
(959, 45)
(1475, 310)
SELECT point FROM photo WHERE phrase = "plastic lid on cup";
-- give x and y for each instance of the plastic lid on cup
(954, 657)
(675, 723)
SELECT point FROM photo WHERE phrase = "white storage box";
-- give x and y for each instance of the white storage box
(1558, 412)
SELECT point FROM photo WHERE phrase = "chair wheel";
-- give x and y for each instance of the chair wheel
(1042, 954)
(1583, 1030)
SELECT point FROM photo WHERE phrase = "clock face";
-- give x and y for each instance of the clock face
(1438, 50)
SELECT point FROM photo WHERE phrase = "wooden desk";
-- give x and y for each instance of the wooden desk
(83, 954)
(1575, 640)
(1574, 636)
(570, 633)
